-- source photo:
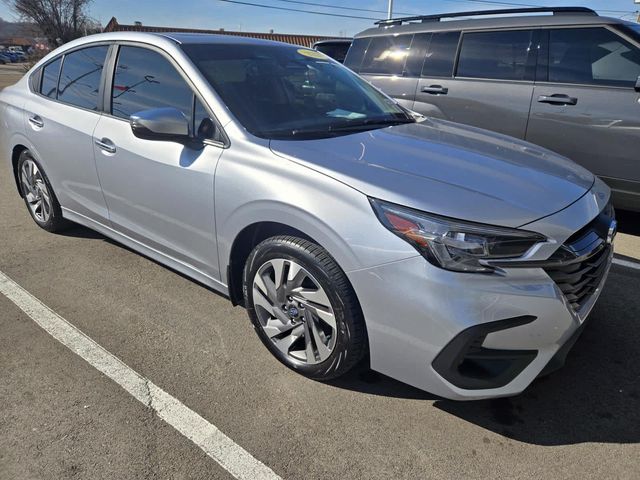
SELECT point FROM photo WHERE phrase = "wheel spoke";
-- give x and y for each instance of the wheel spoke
(315, 297)
(319, 339)
(308, 344)
(276, 328)
(326, 316)
(285, 343)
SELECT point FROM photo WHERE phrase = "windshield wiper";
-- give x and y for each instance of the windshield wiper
(370, 123)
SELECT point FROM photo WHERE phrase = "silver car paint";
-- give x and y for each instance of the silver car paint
(412, 309)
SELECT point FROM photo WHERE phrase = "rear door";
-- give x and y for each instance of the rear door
(60, 120)
(492, 84)
(388, 63)
(585, 105)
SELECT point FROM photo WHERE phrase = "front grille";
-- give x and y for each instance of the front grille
(578, 267)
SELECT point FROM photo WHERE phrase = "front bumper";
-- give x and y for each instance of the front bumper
(474, 336)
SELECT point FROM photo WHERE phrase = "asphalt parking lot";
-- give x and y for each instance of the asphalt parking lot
(61, 418)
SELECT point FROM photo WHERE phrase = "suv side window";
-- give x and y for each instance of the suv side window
(356, 52)
(144, 79)
(80, 77)
(500, 55)
(50, 74)
(386, 55)
(592, 56)
(441, 55)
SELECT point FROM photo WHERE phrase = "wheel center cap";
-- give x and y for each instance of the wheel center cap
(293, 311)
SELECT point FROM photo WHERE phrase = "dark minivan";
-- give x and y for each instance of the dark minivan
(564, 78)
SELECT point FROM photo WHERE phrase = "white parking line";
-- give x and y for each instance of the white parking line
(626, 263)
(231, 456)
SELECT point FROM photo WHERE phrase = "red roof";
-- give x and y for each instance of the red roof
(303, 40)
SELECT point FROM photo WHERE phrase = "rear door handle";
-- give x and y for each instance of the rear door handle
(557, 99)
(435, 90)
(36, 121)
(106, 145)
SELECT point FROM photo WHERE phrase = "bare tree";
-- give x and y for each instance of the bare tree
(59, 20)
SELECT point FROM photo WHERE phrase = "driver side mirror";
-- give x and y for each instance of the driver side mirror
(163, 124)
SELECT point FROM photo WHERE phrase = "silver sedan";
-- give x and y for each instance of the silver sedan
(351, 229)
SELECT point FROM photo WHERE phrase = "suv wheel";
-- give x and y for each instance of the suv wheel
(303, 307)
(38, 194)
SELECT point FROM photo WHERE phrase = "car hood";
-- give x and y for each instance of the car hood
(448, 169)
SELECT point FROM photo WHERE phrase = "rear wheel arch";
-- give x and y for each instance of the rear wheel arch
(15, 157)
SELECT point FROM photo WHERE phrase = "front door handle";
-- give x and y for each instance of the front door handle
(435, 90)
(557, 99)
(106, 145)
(36, 121)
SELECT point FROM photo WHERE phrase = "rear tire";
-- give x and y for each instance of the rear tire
(41, 201)
(310, 319)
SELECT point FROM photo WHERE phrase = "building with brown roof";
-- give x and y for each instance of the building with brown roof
(303, 40)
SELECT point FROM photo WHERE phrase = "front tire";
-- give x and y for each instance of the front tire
(38, 195)
(303, 308)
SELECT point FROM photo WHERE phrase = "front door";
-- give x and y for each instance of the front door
(159, 193)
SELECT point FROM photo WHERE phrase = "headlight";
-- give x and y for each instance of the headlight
(453, 244)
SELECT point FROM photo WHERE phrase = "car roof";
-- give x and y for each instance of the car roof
(520, 21)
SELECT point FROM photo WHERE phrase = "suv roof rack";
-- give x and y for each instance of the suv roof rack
(504, 11)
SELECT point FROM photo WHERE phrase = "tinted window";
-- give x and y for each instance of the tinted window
(144, 79)
(337, 51)
(441, 55)
(80, 77)
(592, 56)
(356, 52)
(386, 55)
(497, 55)
(286, 92)
(50, 75)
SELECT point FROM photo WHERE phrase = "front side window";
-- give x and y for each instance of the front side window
(50, 74)
(387, 55)
(292, 93)
(592, 56)
(81, 75)
(503, 55)
(145, 79)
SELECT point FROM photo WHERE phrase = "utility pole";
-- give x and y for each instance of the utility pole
(390, 10)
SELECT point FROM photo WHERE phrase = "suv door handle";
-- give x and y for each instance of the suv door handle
(557, 99)
(106, 145)
(435, 90)
(36, 121)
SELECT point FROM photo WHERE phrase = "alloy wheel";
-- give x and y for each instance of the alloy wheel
(294, 311)
(35, 191)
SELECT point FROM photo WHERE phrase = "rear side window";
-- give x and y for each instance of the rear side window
(441, 55)
(356, 52)
(386, 55)
(80, 77)
(50, 74)
(504, 55)
(143, 80)
(592, 56)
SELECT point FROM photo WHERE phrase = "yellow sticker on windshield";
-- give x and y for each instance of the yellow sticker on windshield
(312, 53)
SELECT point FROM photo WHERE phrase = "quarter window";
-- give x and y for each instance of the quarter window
(387, 55)
(504, 55)
(50, 74)
(592, 56)
(80, 77)
(145, 79)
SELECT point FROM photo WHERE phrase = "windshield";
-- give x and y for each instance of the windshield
(282, 92)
